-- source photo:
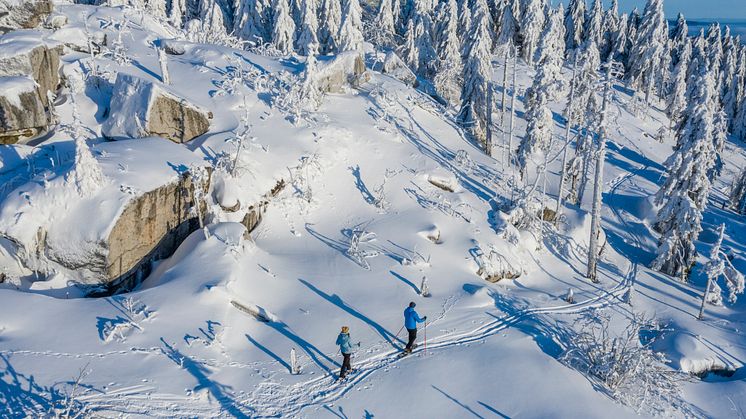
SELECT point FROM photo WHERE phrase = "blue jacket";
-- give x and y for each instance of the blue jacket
(343, 340)
(411, 318)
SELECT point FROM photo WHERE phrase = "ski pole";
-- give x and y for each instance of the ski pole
(425, 333)
(397, 333)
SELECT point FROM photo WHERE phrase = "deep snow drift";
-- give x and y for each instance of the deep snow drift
(383, 191)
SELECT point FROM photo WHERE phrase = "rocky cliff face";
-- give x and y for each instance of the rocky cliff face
(22, 111)
(29, 71)
(150, 228)
(23, 14)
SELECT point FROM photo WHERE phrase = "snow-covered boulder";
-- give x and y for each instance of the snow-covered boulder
(141, 108)
(23, 14)
(23, 53)
(345, 70)
(109, 238)
(76, 38)
(22, 114)
(396, 68)
(173, 46)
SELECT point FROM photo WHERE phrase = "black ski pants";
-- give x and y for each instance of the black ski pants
(346, 367)
(412, 338)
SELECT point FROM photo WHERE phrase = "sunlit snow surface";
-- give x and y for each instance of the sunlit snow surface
(178, 347)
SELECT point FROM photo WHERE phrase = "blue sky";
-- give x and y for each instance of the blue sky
(692, 9)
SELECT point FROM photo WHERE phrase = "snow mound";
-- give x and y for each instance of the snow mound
(691, 353)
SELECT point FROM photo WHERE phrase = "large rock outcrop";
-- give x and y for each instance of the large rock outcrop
(23, 14)
(141, 108)
(110, 237)
(22, 112)
(26, 55)
(345, 70)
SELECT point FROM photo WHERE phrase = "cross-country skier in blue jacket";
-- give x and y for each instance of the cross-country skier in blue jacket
(343, 340)
(411, 318)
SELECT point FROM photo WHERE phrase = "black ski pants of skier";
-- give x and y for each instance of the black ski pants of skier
(412, 338)
(346, 367)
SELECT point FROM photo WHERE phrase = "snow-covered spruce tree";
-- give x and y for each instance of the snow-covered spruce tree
(213, 18)
(418, 50)
(739, 122)
(532, 26)
(719, 137)
(619, 43)
(544, 89)
(714, 48)
(569, 123)
(609, 31)
(464, 24)
(731, 83)
(508, 27)
(449, 77)
(574, 24)
(584, 110)
(176, 13)
(738, 193)
(157, 9)
(384, 26)
(283, 27)
(249, 23)
(718, 266)
(679, 39)
(330, 16)
(307, 43)
(350, 33)
(594, 24)
(677, 100)
(684, 194)
(473, 114)
(647, 52)
(729, 61)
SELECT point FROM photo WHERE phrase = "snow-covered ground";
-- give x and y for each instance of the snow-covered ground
(347, 244)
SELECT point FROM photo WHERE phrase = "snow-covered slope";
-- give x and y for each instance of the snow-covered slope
(348, 242)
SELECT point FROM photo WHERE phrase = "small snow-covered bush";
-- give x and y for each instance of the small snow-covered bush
(494, 266)
(629, 369)
(359, 248)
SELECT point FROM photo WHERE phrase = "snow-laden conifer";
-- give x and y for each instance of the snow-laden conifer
(738, 193)
(384, 24)
(508, 27)
(574, 24)
(677, 100)
(718, 266)
(594, 24)
(249, 22)
(473, 114)
(648, 49)
(448, 79)
(609, 30)
(330, 17)
(307, 42)
(679, 38)
(532, 26)
(176, 13)
(283, 28)
(544, 89)
(684, 194)
(350, 33)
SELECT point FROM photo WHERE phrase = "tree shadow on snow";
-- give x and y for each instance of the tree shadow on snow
(337, 300)
(218, 391)
(268, 352)
(457, 402)
(364, 191)
(310, 349)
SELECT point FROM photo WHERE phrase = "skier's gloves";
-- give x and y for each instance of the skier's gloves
(424, 318)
